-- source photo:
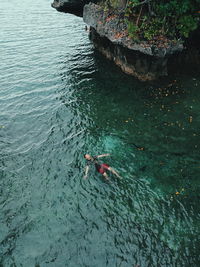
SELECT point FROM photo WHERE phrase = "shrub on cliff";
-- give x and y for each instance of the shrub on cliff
(173, 19)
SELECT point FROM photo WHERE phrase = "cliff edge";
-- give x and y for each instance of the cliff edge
(138, 36)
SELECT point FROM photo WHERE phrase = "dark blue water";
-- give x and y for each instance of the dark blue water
(60, 99)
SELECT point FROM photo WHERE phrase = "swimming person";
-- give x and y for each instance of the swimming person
(101, 168)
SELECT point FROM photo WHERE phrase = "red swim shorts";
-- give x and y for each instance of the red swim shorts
(102, 168)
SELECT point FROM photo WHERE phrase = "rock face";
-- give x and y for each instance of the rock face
(71, 6)
(146, 60)
(142, 66)
(109, 34)
(111, 27)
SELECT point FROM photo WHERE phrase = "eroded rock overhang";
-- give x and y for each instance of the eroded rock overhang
(115, 29)
(145, 60)
(74, 7)
(69, 6)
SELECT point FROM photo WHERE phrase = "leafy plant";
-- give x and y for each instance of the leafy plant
(132, 29)
(173, 18)
(186, 24)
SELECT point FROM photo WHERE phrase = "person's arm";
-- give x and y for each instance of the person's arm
(86, 172)
(103, 155)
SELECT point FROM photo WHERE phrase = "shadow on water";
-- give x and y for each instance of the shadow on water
(152, 132)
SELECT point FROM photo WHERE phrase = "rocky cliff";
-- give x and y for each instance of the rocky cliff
(71, 6)
(144, 59)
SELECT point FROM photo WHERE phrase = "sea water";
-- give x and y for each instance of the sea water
(59, 99)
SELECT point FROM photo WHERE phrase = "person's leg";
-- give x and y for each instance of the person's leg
(114, 172)
(105, 175)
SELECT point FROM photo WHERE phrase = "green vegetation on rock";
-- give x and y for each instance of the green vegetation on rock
(150, 19)
(173, 19)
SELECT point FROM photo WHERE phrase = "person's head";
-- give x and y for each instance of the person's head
(88, 157)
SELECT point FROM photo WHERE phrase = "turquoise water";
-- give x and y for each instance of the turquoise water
(60, 99)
